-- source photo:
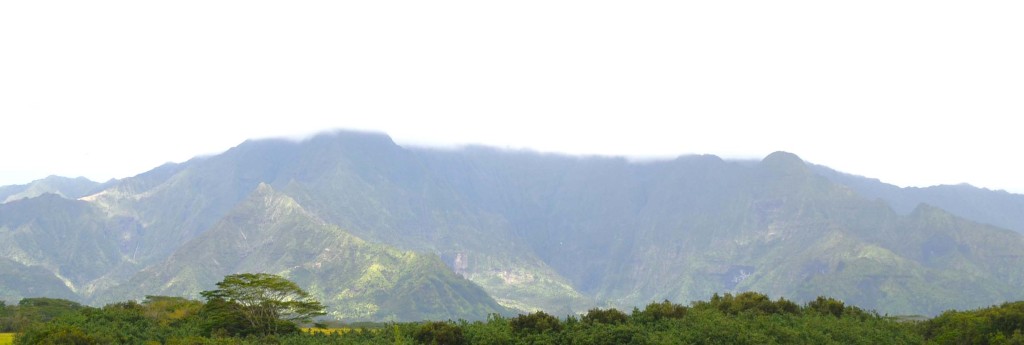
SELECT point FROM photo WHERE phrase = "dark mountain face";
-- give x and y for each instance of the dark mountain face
(535, 231)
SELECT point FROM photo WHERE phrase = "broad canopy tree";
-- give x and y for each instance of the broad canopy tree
(268, 303)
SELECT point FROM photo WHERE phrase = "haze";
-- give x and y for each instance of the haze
(911, 92)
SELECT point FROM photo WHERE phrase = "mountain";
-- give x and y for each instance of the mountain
(628, 233)
(380, 231)
(80, 248)
(999, 208)
(63, 186)
(270, 232)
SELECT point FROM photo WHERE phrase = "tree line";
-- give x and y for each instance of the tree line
(268, 309)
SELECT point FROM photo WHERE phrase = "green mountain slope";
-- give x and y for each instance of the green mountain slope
(19, 281)
(270, 232)
(364, 183)
(535, 231)
(630, 233)
(80, 248)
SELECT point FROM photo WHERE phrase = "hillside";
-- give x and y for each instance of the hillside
(270, 232)
(999, 208)
(534, 231)
(69, 246)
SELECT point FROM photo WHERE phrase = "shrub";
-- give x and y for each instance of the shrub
(536, 322)
(608, 316)
(439, 333)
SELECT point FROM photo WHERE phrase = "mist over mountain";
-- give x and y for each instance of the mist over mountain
(383, 232)
(63, 186)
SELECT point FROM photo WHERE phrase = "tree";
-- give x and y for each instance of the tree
(536, 322)
(663, 310)
(827, 306)
(439, 333)
(609, 316)
(268, 303)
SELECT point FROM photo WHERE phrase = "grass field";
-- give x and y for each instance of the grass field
(312, 330)
(6, 338)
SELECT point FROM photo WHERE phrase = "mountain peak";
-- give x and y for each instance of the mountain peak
(784, 162)
(353, 137)
(264, 189)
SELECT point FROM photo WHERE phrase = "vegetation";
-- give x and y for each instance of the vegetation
(355, 279)
(31, 310)
(745, 318)
(380, 232)
(1002, 324)
(268, 303)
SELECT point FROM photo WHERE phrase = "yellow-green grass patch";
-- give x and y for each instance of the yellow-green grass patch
(6, 338)
(321, 330)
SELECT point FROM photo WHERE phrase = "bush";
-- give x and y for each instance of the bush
(827, 306)
(663, 310)
(749, 302)
(608, 316)
(535, 323)
(439, 333)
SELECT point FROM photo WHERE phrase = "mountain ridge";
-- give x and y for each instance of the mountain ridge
(553, 232)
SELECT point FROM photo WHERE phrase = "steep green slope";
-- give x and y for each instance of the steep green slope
(270, 232)
(76, 244)
(19, 281)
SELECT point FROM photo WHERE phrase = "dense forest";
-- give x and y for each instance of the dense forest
(244, 311)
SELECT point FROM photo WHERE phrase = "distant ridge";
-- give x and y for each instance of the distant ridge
(449, 233)
(71, 188)
(999, 208)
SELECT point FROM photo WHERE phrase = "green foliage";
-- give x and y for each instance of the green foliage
(608, 316)
(1001, 324)
(749, 302)
(268, 303)
(7, 320)
(827, 306)
(121, 323)
(220, 318)
(439, 333)
(535, 323)
(663, 310)
(170, 310)
(44, 309)
(28, 310)
(496, 330)
(745, 318)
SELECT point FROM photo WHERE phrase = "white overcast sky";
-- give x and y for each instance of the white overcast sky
(910, 92)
